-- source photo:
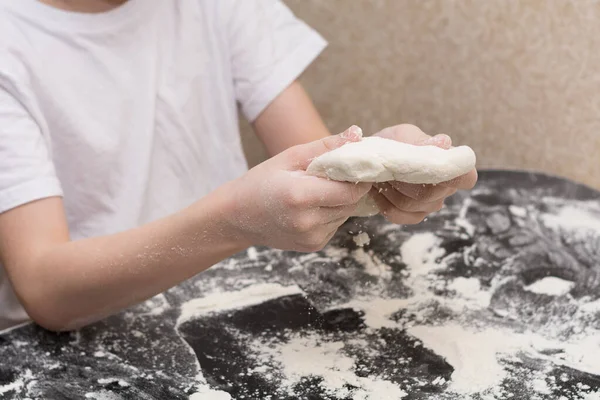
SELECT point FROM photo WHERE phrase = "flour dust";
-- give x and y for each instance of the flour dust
(452, 305)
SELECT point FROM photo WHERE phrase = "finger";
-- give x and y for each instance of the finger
(412, 134)
(330, 236)
(320, 192)
(329, 214)
(406, 133)
(299, 157)
(319, 239)
(332, 229)
(405, 203)
(392, 214)
(464, 182)
(427, 193)
(441, 140)
(336, 223)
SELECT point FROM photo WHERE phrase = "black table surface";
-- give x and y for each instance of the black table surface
(513, 230)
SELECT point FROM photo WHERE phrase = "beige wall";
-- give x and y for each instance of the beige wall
(518, 80)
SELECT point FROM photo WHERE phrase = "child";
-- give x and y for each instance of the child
(121, 168)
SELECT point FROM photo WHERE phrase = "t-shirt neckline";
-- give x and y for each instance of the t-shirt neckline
(79, 20)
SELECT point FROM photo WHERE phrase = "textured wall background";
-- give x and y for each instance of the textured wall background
(517, 80)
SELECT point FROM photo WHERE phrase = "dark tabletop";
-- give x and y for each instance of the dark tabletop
(495, 297)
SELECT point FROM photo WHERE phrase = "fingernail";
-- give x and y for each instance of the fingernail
(352, 133)
(440, 140)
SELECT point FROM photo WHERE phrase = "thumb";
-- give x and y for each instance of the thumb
(300, 156)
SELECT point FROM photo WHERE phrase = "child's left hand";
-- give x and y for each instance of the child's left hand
(406, 203)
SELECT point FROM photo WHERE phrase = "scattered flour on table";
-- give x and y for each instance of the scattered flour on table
(252, 254)
(305, 356)
(589, 396)
(477, 355)
(461, 221)
(297, 358)
(362, 239)
(471, 293)
(220, 301)
(372, 264)
(540, 386)
(591, 307)
(518, 211)
(377, 311)
(422, 256)
(137, 333)
(208, 394)
(572, 218)
(551, 286)
(473, 355)
(102, 395)
(17, 384)
(106, 381)
(155, 305)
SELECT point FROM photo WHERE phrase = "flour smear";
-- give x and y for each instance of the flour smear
(223, 301)
(304, 356)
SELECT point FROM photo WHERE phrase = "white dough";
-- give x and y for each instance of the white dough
(366, 207)
(376, 159)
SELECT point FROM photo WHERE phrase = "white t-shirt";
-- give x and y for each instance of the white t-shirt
(132, 114)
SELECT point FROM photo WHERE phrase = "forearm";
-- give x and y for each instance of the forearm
(75, 283)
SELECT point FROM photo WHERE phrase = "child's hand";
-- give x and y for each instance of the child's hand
(405, 203)
(278, 204)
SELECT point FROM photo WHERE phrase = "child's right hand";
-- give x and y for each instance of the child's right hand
(277, 204)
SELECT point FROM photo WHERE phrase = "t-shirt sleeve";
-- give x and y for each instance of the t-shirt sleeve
(26, 169)
(269, 48)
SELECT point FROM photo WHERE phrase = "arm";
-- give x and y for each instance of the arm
(291, 119)
(65, 284)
